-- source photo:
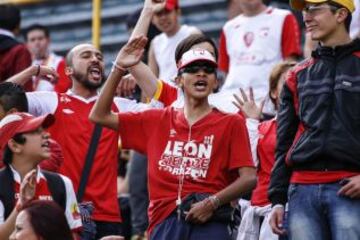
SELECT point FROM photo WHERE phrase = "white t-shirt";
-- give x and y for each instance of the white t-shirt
(254, 46)
(164, 51)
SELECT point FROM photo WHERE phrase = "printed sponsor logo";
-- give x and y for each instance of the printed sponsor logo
(75, 211)
(67, 111)
(264, 32)
(249, 38)
(190, 159)
(64, 99)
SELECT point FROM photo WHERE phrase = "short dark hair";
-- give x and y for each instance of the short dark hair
(13, 96)
(8, 154)
(48, 220)
(187, 43)
(348, 19)
(9, 17)
(33, 27)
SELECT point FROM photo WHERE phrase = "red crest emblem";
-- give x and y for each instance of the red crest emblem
(249, 38)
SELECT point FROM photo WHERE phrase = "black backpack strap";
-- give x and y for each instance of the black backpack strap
(7, 193)
(56, 187)
(89, 161)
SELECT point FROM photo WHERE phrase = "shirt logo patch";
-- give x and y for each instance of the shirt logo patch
(172, 132)
(75, 211)
(64, 99)
(264, 32)
(46, 198)
(67, 111)
(190, 159)
(249, 38)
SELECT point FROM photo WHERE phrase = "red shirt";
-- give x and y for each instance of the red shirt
(73, 131)
(266, 155)
(210, 152)
(166, 93)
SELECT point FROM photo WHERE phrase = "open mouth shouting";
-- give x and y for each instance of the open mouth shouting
(95, 72)
(46, 145)
(201, 85)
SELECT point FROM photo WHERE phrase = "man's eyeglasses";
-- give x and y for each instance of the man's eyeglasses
(196, 67)
(313, 9)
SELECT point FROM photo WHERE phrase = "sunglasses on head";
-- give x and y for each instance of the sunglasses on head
(197, 66)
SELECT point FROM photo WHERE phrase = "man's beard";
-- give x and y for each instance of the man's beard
(83, 79)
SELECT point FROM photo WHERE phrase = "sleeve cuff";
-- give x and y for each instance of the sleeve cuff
(159, 88)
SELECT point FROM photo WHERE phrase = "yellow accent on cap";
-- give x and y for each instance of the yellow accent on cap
(300, 4)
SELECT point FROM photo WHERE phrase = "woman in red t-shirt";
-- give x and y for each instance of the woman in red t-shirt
(256, 213)
(199, 158)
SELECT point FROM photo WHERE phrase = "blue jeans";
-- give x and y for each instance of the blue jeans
(175, 229)
(316, 212)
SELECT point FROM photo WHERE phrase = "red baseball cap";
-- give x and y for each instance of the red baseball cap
(196, 55)
(20, 122)
(171, 5)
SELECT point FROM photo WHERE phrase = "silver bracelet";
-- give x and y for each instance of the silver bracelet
(215, 201)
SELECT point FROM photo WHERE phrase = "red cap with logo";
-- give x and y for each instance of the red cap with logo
(196, 55)
(17, 123)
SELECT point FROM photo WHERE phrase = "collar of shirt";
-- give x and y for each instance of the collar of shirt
(17, 177)
(86, 100)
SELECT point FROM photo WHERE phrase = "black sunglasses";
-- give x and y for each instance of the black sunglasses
(195, 67)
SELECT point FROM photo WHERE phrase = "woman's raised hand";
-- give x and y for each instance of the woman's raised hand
(247, 104)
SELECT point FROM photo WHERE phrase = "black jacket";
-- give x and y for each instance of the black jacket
(319, 117)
